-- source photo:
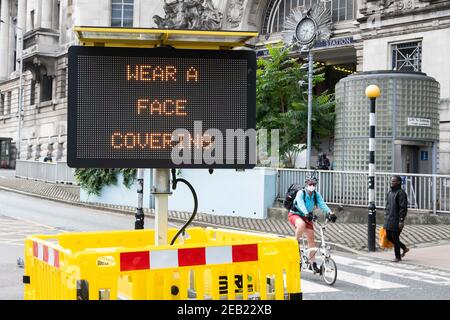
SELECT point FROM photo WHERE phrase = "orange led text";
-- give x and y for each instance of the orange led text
(162, 108)
(146, 72)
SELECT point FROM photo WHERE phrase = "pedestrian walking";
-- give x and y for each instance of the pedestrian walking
(394, 217)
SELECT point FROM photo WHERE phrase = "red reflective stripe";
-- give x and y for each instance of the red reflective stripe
(245, 252)
(35, 249)
(134, 261)
(45, 253)
(56, 259)
(191, 257)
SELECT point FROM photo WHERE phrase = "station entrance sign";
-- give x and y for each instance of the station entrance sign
(161, 108)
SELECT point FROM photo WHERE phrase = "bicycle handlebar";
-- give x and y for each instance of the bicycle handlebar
(316, 220)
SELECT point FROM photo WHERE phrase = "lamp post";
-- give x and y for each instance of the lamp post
(20, 88)
(372, 92)
(306, 50)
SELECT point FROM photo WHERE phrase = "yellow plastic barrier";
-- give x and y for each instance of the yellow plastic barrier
(205, 264)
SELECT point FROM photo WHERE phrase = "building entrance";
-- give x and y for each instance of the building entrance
(410, 163)
(6, 161)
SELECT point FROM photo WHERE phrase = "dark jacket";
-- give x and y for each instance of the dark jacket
(396, 208)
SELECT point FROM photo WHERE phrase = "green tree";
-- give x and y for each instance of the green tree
(93, 180)
(282, 104)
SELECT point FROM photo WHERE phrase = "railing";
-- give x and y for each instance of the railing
(53, 172)
(425, 192)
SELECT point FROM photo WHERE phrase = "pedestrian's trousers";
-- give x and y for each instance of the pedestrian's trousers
(394, 237)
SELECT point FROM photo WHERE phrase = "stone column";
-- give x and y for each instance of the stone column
(46, 14)
(359, 46)
(12, 45)
(4, 39)
(21, 23)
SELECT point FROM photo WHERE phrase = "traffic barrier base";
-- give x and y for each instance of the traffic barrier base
(204, 264)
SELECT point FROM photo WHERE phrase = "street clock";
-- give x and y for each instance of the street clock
(306, 31)
(307, 27)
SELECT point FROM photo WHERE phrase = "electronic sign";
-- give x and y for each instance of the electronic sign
(161, 108)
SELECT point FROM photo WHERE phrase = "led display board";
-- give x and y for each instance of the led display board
(161, 108)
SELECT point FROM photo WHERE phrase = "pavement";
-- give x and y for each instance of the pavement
(431, 256)
(429, 243)
(358, 277)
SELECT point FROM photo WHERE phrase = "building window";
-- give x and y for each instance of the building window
(279, 10)
(32, 92)
(407, 56)
(2, 103)
(56, 17)
(63, 83)
(8, 103)
(122, 13)
(32, 19)
(46, 88)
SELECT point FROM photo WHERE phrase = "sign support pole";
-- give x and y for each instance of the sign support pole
(161, 190)
(139, 223)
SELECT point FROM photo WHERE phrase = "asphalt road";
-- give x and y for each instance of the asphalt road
(359, 277)
(21, 216)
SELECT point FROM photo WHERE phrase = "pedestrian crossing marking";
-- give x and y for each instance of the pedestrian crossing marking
(371, 282)
(391, 271)
(371, 278)
(314, 287)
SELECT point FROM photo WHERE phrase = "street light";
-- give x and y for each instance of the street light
(20, 88)
(372, 92)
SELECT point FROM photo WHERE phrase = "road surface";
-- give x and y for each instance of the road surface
(359, 277)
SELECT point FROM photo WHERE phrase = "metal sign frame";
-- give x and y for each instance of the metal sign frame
(72, 159)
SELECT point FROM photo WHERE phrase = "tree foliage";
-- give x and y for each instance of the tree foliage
(92, 180)
(282, 104)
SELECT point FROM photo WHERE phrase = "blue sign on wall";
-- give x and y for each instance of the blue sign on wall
(424, 155)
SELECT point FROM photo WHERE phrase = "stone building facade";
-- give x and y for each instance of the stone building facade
(367, 35)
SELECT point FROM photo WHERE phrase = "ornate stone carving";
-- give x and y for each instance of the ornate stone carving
(189, 14)
(235, 12)
(382, 7)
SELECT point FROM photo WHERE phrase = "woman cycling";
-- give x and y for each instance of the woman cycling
(301, 214)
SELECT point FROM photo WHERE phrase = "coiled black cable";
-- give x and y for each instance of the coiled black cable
(175, 180)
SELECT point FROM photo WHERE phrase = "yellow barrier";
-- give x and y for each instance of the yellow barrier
(205, 264)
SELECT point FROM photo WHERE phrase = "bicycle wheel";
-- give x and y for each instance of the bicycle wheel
(329, 271)
(303, 263)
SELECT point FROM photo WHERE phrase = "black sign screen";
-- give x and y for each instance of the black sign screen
(125, 105)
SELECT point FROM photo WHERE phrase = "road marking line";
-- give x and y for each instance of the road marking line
(371, 282)
(39, 224)
(312, 287)
(394, 272)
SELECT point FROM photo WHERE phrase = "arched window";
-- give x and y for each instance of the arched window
(278, 10)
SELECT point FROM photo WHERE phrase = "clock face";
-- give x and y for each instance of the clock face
(306, 31)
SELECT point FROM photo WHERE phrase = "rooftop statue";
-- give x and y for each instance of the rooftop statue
(189, 14)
